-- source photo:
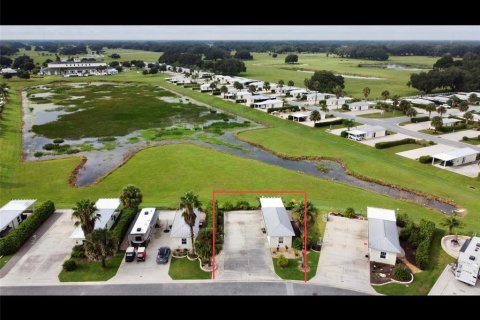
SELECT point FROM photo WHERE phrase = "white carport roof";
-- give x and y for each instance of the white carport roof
(454, 154)
(12, 210)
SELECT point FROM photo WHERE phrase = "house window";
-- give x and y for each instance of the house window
(280, 239)
(383, 255)
(138, 238)
(184, 240)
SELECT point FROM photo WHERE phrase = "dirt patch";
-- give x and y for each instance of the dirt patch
(382, 273)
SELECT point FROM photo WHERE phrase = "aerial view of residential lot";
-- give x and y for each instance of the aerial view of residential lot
(239, 167)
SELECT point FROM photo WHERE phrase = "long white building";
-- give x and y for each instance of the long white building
(77, 68)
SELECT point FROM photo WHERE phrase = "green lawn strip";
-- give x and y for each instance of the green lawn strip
(4, 260)
(184, 269)
(382, 115)
(93, 271)
(403, 147)
(401, 124)
(423, 281)
(293, 272)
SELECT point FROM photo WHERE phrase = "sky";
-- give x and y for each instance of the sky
(244, 32)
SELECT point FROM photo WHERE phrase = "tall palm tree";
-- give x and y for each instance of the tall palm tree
(452, 223)
(468, 116)
(472, 99)
(385, 94)
(411, 113)
(298, 213)
(437, 123)
(404, 106)
(100, 245)
(223, 90)
(315, 116)
(338, 91)
(213, 86)
(237, 85)
(430, 108)
(281, 83)
(290, 83)
(463, 106)
(395, 101)
(189, 201)
(252, 88)
(366, 92)
(266, 86)
(131, 196)
(348, 123)
(441, 110)
(85, 214)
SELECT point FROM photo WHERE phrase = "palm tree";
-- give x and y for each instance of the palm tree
(472, 99)
(385, 94)
(189, 201)
(290, 83)
(441, 110)
(315, 116)
(437, 123)
(266, 86)
(131, 196)
(85, 214)
(468, 116)
(324, 107)
(237, 85)
(430, 108)
(252, 88)
(395, 102)
(338, 91)
(453, 101)
(298, 212)
(348, 123)
(280, 84)
(366, 92)
(213, 86)
(404, 106)
(452, 223)
(463, 106)
(224, 90)
(411, 113)
(100, 245)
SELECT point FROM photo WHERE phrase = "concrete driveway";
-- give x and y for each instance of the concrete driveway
(392, 137)
(42, 263)
(447, 285)
(426, 151)
(245, 254)
(457, 136)
(342, 261)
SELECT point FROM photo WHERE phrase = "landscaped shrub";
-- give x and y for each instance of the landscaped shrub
(326, 124)
(69, 265)
(49, 146)
(78, 251)
(123, 223)
(350, 213)
(282, 262)
(420, 237)
(228, 206)
(58, 140)
(297, 243)
(389, 144)
(422, 255)
(464, 138)
(285, 108)
(457, 127)
(15, 239)
(38, 154)
(425, 159)
(419, 119)
(313, 234)
(345, 107)
(402, 219)
(400, 273)
(344, 134)
(243, 205)
(290, 117)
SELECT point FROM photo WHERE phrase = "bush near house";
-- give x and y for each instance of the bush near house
(400, 273)
(389, 144)
(425, 159)
(326, 124)
(290, 117)
(420, 237)
(69, 265)
(402, 219)
(282, 262)
(286, 108)
(457, 127)
(419, 119)
(15, 239)
(123, 223)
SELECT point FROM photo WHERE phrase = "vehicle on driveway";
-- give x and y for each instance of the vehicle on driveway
(163, 255)
(130, 254)
(141, 254)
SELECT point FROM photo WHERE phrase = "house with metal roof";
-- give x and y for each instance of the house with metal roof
(456, 157)
(358, 106)
(13, 213)
(107, 212)
(468, 263)
(181, 230)
(277, 223)
(366, 132)
(383, 243)
(268, 104)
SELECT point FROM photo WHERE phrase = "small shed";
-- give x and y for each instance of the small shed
(181, 230)
(383, 243)
(277, 223)
(366, 132)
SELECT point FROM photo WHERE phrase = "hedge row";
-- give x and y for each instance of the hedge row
(455, 127)
(419, 119)
(326, 124)
(291, 108)
(123, 223)
(389, 144)
(425, 159)
(420, 237)
(15, 239)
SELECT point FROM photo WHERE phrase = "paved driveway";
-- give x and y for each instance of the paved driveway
(426, 151)
(457, 136)
(42, 263)
(245, 255)
(392, 137)
(342, 261)
(447, 285)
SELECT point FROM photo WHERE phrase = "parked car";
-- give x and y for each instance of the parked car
(130, 254)
(163, 255)
(141, 254)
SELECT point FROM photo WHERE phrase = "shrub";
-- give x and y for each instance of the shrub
(402, 219)
(282, 262)
(78, 252)
(58, 140)
(465, 138)
(400, 273)
(123, 223)
(228, 206)
(425, 159)
(290, 117)
(419, 119)
(38, 154)
(454, 128)
(326, 124)
(345, 107)
(243, 205)
(389, 144)
(350, 213)
(69, 265)
(49, 146)
(15, 239)
(297, 243)
(312, 235)
(344, 134)
(422, 255)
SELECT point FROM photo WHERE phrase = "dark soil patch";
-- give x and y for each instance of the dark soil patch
(409, 251)
(379, 268)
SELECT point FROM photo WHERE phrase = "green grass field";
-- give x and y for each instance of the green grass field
(382, 115)
(184, 269)
(292, 272)
(403, 147)
(92, 271)
(264, 67)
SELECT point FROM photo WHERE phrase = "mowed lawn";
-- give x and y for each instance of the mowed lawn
(264, 67)
(92, 271)
(184, 269)
(292, 270)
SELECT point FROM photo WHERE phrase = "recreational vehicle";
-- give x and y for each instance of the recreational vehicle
(143, 227)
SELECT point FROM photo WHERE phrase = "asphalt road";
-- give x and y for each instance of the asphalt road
(186, 288)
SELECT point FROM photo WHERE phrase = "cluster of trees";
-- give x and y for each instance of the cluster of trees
(368, 52)
(227, 67)
(449, 74)
(243, 55)
(291, 58)
(115, 56)
(325, 81)
(73, 49)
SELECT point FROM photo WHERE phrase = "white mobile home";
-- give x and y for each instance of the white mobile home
(141, 231)
(268, 104)
(468, 263)
(256, 98)
(358, 106)
(181, 230)
(298, 93)
(205, 87)
(242, 96)
(456, 157)
(107, 212)
(334, 103)
(366, 132)
(383, 243)
(277, 223)
(301, 116)
(13, 213)
(448, 122)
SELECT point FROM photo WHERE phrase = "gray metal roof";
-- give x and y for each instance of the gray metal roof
(180, 229)
(277, 222)
(383, 235)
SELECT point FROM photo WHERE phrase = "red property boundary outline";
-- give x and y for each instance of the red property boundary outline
(214, 224)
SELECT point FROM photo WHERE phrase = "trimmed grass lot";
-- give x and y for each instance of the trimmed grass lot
(93, 271)
(292, 272)
(184, 269)
(403, 147)
(423, 281)
(4, 260)
(382, 115)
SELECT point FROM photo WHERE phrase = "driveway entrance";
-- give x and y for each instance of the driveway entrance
(246, 254)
